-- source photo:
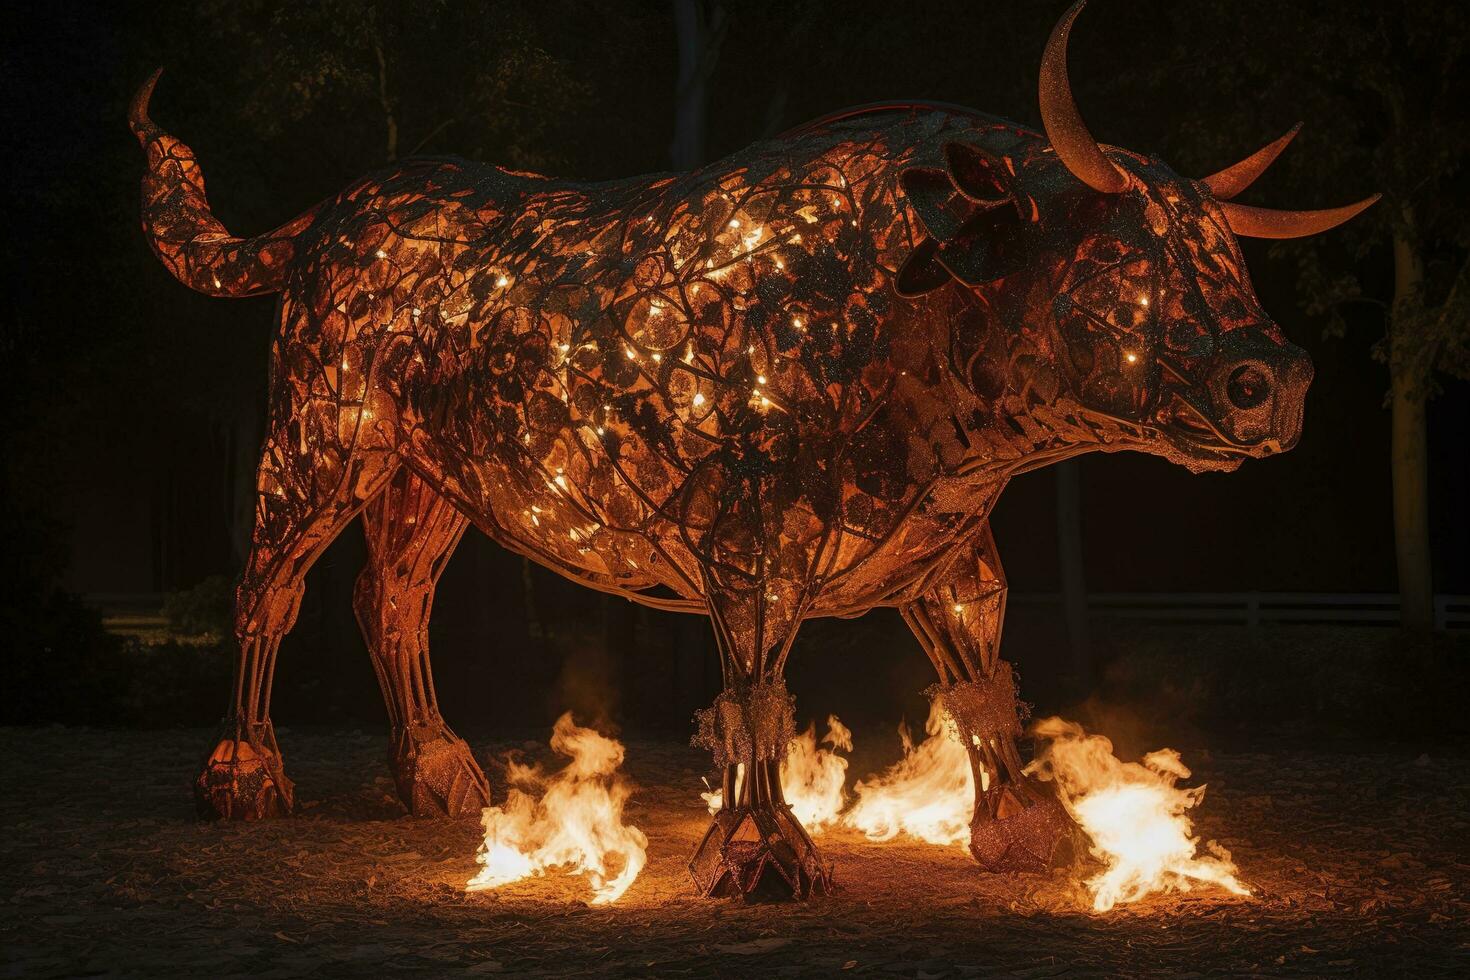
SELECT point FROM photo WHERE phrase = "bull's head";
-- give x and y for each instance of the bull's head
(1120, 283)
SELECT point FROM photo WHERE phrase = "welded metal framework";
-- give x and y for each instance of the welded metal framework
(790, 384)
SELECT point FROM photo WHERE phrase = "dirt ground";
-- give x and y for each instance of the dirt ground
(1361, 866)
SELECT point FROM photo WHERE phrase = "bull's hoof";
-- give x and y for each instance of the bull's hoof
(241, 781)
(437, 774)
(759, 854)
(1026, 838)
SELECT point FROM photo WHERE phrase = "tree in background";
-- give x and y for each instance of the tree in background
(419, 77)
(1377, 121)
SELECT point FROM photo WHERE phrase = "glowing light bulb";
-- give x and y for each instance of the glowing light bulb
(502, 282)
(381, 254)
(1143, 301)
(1132, 357)
(958, 608)
(698, 398)
(760, 379)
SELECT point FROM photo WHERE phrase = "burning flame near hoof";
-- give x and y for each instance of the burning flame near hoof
(928, 794)
(576, 825)
(811, 776)
(1133, 813)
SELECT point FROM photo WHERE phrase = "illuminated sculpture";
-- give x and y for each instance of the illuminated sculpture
(790, 384)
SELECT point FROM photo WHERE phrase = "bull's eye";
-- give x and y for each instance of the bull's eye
(1247, 386)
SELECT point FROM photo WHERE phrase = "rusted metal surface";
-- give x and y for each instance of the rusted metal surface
(789, 384)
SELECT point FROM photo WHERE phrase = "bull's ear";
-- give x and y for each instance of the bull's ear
(920, 273)
(973, 212)
(990, 246)
(932, 196)
(978, 175)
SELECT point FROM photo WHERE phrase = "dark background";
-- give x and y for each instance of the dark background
(133, 405)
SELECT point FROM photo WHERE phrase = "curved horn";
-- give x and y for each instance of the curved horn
(1234, 179)
(1252, 222)
(1064, 126)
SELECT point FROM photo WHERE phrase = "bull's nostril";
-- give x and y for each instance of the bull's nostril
(1247, 386)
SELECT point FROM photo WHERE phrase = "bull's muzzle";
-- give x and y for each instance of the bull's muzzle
(1259, 396)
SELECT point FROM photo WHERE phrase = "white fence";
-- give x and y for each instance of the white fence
(1255, 608)
(141, 613)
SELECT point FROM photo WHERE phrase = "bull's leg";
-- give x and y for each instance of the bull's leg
(304, 499)
(1018, 824)
(755, 847)
(411, 531)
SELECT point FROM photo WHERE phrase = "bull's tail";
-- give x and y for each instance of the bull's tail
(185, 234)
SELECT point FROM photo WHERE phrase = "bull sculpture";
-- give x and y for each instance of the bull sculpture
(789, 384)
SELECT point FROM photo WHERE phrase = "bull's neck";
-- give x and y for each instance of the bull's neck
(1021, 435)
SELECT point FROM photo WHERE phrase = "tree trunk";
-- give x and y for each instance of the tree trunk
(535, 628)
(1410, 458)
(699, 27)
(390, 121)
(1074, 582)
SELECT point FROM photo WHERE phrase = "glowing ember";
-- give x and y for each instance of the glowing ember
(928, 794)
(812, 777)
(1134, 814)
(576, 825)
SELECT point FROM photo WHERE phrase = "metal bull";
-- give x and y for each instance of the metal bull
(790, 384)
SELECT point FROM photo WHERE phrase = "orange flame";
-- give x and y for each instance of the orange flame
(1134, 814)
(812, 777)
(928, 794)
(576, 825)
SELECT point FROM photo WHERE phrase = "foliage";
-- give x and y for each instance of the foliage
(1351, 681)
(395, 63)
(205, 608)
(64, 667)
(1377, 120)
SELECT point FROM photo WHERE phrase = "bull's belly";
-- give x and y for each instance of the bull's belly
(618, 540)
(549, 518)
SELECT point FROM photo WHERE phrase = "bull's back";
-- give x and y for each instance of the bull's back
(633, 380)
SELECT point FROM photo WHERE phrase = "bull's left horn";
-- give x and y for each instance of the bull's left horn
(1234, 179)
(1252, 222)
(1064, 126)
